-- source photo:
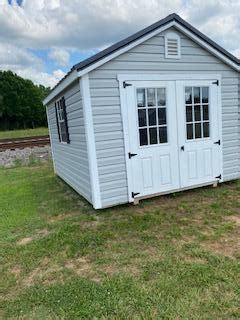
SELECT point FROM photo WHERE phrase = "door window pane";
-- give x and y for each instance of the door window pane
(142, 120)
(198, 130)
(152, 121)
(143, 137)
(188, 95)
(189, 131)
(197, 113)
(140, 97)
(205, 112)
(196, 95)
(151, 98)
(153, 135)
(162, 116)
(161, 96)
(163, 135)
(189, 116)
(206, 130)
(205, 94)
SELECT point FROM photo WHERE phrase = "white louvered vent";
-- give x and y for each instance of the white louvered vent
(172, 46)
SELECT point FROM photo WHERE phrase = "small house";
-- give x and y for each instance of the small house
(155, 113)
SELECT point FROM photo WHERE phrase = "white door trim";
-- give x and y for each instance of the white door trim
(153, 77)
(166, 77)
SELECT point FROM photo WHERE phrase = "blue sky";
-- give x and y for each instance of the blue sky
(42, 39)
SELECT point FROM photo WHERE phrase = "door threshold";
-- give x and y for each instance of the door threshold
(136, 200)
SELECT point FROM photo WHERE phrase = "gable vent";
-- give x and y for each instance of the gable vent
(172, 46)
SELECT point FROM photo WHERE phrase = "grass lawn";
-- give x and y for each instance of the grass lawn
(171, 257)
(23, 133)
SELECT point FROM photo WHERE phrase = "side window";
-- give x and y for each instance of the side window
(61, 118)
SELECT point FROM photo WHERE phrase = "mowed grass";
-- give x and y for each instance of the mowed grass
(23, 133)
(171, 257)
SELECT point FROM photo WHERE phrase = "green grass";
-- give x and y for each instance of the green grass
(171, 257)
(23, 133)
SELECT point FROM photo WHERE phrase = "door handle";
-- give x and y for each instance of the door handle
(182, 148)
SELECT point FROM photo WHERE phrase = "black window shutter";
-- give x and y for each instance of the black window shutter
(65, 119)
(57, 122)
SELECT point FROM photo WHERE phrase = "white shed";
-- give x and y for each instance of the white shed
(155, 113)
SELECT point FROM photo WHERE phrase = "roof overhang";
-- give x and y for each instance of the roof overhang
(123, 46)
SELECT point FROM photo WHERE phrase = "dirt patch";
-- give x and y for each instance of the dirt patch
(228, 247)
(24, 241)
(115, 269)
(235, 219)
(195, 260)
(82, 267)
(16, 271)
(46, 272)
(40, 234)
(61, 217)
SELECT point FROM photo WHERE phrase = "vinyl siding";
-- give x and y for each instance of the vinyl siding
(71, 160)
(149, 58)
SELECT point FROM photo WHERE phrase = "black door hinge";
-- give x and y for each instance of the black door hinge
(216, 82)
(125, 84)
(134, 194)
(219, 177)
(130, 155)
(218, 142)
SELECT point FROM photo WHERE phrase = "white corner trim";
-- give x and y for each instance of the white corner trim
(61, 86)
(51, 144)
(90, 137)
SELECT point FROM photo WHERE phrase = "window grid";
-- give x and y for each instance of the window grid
(62, 121)
(154, 107)
(195, 122)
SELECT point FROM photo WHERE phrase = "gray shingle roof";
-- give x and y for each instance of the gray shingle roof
(134, 37)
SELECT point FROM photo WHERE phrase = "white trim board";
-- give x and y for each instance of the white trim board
(91, 146)
(161, 77)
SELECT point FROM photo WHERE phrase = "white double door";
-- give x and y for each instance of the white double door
(173, 135)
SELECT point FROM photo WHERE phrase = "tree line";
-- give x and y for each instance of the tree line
(21, 104)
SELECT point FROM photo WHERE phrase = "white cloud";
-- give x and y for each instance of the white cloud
(49, 80)
(79, 25)
(60, 56)
(27, 65)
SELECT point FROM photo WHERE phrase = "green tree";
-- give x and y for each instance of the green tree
(21, 102)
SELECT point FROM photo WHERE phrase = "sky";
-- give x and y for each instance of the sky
(42, 39)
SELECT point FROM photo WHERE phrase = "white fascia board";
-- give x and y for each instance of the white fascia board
(190, 34)
(75, 74)
(208, 47)
(61, 86)
(124, 49)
